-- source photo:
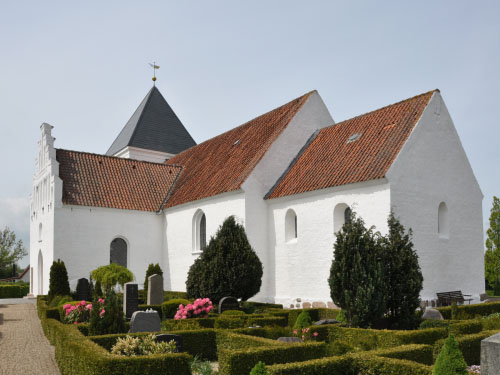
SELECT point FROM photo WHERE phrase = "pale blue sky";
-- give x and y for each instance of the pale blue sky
(83, 68)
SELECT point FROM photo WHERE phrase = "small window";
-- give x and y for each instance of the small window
(443, 221)
(203, 232)
(40, 232)
(341, 215)
(347, 215)
(118, 252)
(199, 231)
(291, 229)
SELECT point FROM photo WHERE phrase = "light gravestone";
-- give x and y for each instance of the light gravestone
(145, 321)
(289, 339)
(155, 290)
(130, 299)
(168, 337)
(490, 355)
(83, 290)
(432, 314)
(228, 303)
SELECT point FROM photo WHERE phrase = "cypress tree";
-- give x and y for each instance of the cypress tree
(58, 283)
(403, 276)
(450, 360)
(356, 280)
(227, 267)
(153, 269)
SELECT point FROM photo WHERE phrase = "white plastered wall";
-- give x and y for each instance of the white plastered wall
(431, 168)
(303, 264)
(143, 154)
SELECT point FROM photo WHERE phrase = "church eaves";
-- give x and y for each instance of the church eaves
(153, 126)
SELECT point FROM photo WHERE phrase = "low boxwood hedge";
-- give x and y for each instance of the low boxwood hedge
(14, 291)
(169, 308)
(471, 311)
(315, 314)
(417, 353)
(170, 295)
(187, 324)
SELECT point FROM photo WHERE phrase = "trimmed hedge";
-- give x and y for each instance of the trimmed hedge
(265, 332)
(471, 311)
(153, 307)
(315, 314)
(417, 353)
(187, 324)
(169, 308)
(241, 361)
(14, 291)
(256, 307)
(470, 346)
(170, 295)
(466, 327)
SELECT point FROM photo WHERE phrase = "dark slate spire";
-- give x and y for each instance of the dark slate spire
(153, 126)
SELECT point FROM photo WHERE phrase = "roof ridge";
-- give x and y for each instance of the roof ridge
(304, 96)
(118, 157)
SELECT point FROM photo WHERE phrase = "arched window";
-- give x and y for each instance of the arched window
(341, 215)
(118, 252)
(40, 272)
(199, 231)
(40, 232)
(443, 221)
(290, 225)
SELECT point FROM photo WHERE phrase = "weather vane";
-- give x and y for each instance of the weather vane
(154, 66)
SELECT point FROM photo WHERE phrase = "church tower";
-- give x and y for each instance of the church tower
(153, 133)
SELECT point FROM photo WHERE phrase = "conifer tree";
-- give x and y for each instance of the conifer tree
(450, 360)
(356, 280)
(403, 276)
(58, 283)
(153, 269)
(227, 267)
(492, 254)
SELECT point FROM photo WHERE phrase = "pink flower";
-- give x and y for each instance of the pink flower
(184, 317)
(303, 338)
(294, 331)
(75, 323)
(66, 306)
(89, 306)
(315, 334)
(100, 300)
(102, 312)
(82, 303)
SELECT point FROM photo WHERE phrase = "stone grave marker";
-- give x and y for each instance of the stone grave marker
(289, 339)
(130, 299)
(228, 303)
(490, 355)
(432, 314)
(168, 337)
(145, 321)
(155, 290)
(83, 290)
(326, 321)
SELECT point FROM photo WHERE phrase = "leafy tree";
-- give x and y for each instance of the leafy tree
(356, 280)
(58, 284)
(153, 269)
(403, 276)
(110, 275)
(227, 267)
(11, 251)
(450, 360)
(492, 254)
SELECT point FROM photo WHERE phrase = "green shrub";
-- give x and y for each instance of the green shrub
(259, 307)
(97, 292)
(59, 300)
(341, 317)
(112, 321)
(259, 369)
(450, 360)
(169, 308)
(431, 323)
(491, 321)
(228, 266)
(471, 311)
(156, 308)
(303, 320)
(58, 283)
(187, 324)
(110, 275)
(465, 327)
(272, 333)
(169, 295)
(418, 353)
(315, 314)
(233, 312)
(14, 291)
(153, 269)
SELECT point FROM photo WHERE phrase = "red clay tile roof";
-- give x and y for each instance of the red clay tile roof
(223, 163)
(330, 160)
(105, 181)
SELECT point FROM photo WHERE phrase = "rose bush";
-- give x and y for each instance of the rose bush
(80, 312)
(305, 334)
(198, 309)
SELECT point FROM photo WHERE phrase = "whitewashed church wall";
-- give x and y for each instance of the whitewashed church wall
(143, 154)
(83, 237)
(180, 252)
(432, 168)
(302, 265)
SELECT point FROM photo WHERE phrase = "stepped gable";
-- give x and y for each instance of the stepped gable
(337, 156)
(106, 181)
(153, 126)
(223, 163)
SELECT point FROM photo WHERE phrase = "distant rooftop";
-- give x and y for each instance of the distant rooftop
(153, 126)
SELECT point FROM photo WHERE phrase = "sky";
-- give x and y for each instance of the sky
(83, 68)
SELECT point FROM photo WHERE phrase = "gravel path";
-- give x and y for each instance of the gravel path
(24, 349)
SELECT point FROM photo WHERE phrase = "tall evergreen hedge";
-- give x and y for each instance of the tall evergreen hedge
(58, 284)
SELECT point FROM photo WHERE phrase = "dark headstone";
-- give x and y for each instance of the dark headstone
(326, 321)
(228, 303)
(130, 299)
(83, 290)
(289, 339)
(168, 337)
(145, 321)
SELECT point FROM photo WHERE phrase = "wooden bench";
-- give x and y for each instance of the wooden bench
(447, 298)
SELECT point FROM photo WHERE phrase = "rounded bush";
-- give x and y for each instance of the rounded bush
(303, 320)
(169, 308)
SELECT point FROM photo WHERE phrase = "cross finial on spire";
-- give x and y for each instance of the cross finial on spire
(154, 66)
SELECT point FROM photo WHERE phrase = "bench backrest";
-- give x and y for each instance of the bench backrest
(455, 296)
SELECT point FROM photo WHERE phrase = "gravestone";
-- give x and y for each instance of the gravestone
(432, 314)
(326, 321)
(289, 339)
(130, 299)
(490, 355)
(155, 290)
(228, 303)
(168, 337)
(145, 321)
(83, 290)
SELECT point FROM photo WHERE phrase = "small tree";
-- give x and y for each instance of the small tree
(227, 267)
(492, 254)
(356, 280)
(153, 269)
(450, 360)
(111, 320)
(58, 284)
(303, 320)
(110, 275)
(403, 276)
(259, 369)
(11, 251)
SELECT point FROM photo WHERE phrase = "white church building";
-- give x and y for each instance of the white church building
(288, 176)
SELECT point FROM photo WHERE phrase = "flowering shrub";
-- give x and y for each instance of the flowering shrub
(198, 309)
(305, 334)
(80, 312)
(132, 346)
